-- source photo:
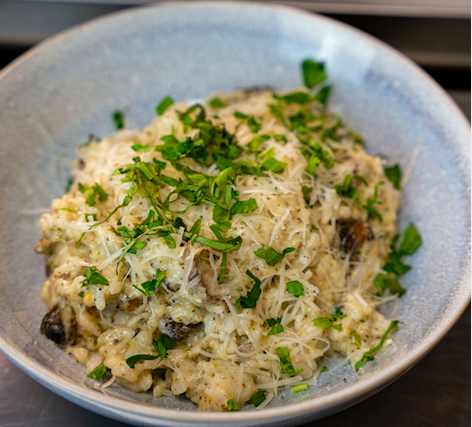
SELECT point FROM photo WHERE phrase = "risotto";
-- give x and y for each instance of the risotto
(224, 249)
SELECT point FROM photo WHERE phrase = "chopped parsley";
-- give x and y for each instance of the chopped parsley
(250, 300)
(276, 326)
(324, 369)
(394, 266)
(258, 398)
(249, 120)
(233, 405)
(271, 256)
(368, 355)
(338, 314)
(394, 175)
(118, 119)
(295, 288)
(217, 102)
(306, 191)
(91, 277)
(274, 165)
(165, 343)
(148, 288)
(98, 372)
(299, 387)
(325, 323)
(255, 143)
(357, 338)
(91, 192)
(164, 105)
(286, 363)
(313, 73)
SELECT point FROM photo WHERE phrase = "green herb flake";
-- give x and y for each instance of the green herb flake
(357, 338)
(243, 207)
(276, 326)
(165, 343)
(232, 405)
(368, 355)
(258, 398)
(254, 125)
(118, 119)
(251, 298)
(323, 322)
(255, 143)
(338, 314)
(148, 288)
(91, 277)
(164, 105)
(306, 191)
(394, 175)
(295, 288)
(313, 73)
(286, 363)
(314, 228)
(217, 102)
(411, 241)
(299, 387)
(98, 372)
(324, 369)
(274, 165)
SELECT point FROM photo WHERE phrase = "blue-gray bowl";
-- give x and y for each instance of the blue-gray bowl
(59, 92)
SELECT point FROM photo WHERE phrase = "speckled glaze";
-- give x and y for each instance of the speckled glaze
(64, 89)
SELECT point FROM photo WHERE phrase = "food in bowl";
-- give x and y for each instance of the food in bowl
(225, 249)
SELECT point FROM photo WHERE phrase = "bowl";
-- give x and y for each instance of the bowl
(56, 94)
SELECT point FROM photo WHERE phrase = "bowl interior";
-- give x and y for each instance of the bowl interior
(60, 93)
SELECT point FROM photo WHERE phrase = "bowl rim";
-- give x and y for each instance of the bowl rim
(361, 388)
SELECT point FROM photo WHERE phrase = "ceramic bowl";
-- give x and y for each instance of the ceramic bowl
(56, 94)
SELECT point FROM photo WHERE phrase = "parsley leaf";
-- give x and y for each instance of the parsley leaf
(164, 105)
(118, 119)
(149, 287)
(91, 192)
(286, 363)
(394, 174)
(295, 288)
(249, 120)
(295, 98)
(299, 387)
(338, 314)
(258, 398)
(324, 369)
(98, 372)
(313, 73)
(276, 326)
(250, 300)
(368, 354)
(411, 241)
(217, 102)
(255, 143)
(242, 207)
(91, 277)
(141, 148)
(165, 343)
(323, 94)
(325, 323)
(277, 112)
(271, 256)
(357, 338)
(232, 405)
(306, 191)
(274, 165)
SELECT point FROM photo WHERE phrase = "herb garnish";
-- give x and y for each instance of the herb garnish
(98, 372)
(118, 119)
(324, 369)
(286, 363)
(394, 266)
(295, 288)
(368, 354)
(299, 387)
(325, 323)
(250, 300)
(258, 397)
(249, 120)
(313, 73)
(90, 193)
(394, 174)
(91, 277)
(357, 338)
(271, 256)
(149, 287)
(164, 105)
(232, 405)
(217, 102)
(276, 326)
(165, 343)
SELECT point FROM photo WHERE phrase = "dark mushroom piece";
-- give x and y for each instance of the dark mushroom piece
(172, 329)
(123, 303)
(352, 234)
(60, 328)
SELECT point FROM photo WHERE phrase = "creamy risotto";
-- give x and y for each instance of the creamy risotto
(224, 249)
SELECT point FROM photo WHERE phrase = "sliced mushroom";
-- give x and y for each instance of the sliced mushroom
(172, 329)
(42, 246)
(60, 326)
(352, 234)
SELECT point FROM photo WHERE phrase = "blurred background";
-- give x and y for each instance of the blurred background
(436, 34)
